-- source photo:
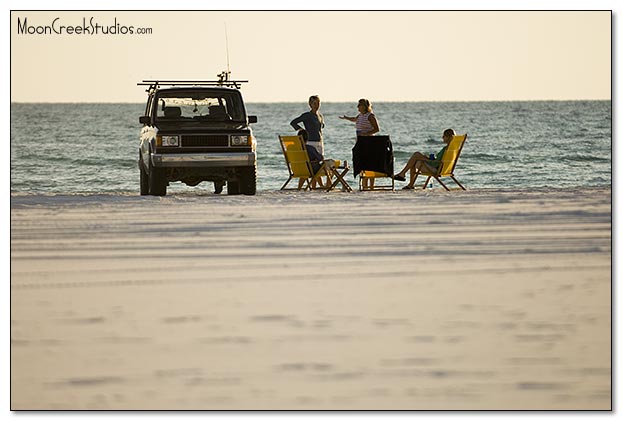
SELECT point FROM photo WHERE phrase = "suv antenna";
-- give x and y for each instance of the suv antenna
(224, 76)
(227, 47)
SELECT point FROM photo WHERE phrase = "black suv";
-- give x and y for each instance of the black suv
(196, 131)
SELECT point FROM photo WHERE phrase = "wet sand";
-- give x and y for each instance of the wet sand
(376, 300)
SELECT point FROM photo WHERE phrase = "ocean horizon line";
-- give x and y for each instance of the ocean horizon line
(334, 102)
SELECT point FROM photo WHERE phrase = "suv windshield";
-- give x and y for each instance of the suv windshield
(199, 106)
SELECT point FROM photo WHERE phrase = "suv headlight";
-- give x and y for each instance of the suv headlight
(240, 140)
(167, 140)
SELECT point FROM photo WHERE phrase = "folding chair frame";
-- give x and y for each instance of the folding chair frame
(440, 171)
(309, 179)
(363, 175)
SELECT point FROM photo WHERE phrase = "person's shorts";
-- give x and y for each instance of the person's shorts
(315, 157)
(319, 146)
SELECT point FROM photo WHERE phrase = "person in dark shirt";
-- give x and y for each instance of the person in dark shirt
(314, 157)
(313, 122)
(419, 161)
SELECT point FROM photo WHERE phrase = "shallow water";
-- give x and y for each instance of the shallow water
(74, 148)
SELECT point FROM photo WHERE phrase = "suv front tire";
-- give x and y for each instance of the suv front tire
(144, 178)
(248, 180)
(157, 181)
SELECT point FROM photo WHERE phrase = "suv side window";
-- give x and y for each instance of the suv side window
(149, 104)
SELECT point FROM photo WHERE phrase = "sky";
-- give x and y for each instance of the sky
(339, 55)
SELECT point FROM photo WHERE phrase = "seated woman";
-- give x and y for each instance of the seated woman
(419, 161)
(315, 158)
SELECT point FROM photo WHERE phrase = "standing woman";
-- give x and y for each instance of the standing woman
(366, 123)
(313, 122)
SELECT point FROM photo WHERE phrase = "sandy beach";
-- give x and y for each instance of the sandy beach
(484, 299)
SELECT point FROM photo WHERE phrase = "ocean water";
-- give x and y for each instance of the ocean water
(92, 148)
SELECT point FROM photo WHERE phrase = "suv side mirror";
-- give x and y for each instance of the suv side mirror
(252, 119)
(144, 119)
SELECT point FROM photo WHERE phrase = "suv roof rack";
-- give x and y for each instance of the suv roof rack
(223, 80)
(229, 83)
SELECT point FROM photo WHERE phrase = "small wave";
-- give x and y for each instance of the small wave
(108, 163)
(587, 158)
(482, 156)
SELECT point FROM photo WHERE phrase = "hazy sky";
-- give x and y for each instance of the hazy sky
(341, 56)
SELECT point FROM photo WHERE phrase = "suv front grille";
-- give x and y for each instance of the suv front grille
(205, 140)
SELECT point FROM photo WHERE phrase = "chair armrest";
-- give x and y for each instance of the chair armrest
(333, 163)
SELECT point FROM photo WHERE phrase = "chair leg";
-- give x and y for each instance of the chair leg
(427, 180)
(287, 182)
(364, 183)
(415, 178)
(457, 182)
(441, 183)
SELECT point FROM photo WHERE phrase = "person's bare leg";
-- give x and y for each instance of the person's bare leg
(414, 172)
(413, 177)
(318, 181)
(417, 156)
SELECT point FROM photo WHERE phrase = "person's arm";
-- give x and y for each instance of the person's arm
(345, 117)
(374, 123)
(294, 123)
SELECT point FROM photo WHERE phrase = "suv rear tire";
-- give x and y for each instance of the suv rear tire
(233, 187)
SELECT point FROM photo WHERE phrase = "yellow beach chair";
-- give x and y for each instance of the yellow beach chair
(367, 181)
(373, 159)
(300, 166)
(447, 165)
